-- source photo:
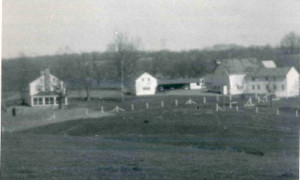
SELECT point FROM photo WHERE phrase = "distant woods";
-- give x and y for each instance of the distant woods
(123, 59)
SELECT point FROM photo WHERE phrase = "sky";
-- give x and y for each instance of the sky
(46, 27)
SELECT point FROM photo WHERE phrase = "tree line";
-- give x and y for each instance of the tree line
(123, 61)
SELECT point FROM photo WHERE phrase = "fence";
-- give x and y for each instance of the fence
(221, 104)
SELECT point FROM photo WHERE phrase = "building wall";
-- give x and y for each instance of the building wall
(292, 82)
(267, 85)
(216, 81)
(145, 85)
(197, 85)
(237, 84)
(41, 84)
(37, 85)
(47, 100)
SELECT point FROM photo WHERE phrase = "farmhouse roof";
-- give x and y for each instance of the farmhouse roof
(240, 66)
(282, 71)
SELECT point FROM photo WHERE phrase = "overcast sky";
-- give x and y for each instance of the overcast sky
(40, 27)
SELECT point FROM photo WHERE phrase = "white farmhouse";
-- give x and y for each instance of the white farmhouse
(145, 85)
(47, 90)
(281, 82)
(229, 75)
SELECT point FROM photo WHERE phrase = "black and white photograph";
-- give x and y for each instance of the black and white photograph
(150, 89)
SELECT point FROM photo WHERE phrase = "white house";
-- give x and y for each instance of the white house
(145, 85)
(281, 82)
(229, 75)
(47, 90)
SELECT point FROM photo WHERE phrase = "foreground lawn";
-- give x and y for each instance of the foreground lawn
(174, 142)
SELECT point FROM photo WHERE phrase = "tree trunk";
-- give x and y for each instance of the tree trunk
(87, 89)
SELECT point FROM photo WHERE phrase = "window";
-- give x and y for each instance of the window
(274, 86)
(51, 100)
(258, 86)
(267, 78)
(198, 84)
(38, 89)
(253, 79)
(40, 101)
(148, 79)
(146, 88)
(282, 87)
(253, 86)
(47, 100)
(143, 79)
(35, 101)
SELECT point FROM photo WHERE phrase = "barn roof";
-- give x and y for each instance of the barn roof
(240, 66)
(269, 64)
(177, 81)
(282, 71)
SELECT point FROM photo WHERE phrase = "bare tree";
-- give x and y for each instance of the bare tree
(23, 84)
(85, 73)
(290, 43)
(125, 57)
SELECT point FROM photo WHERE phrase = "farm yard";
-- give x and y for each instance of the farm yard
(158, 137)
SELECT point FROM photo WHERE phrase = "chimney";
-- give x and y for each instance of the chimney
(46, 74)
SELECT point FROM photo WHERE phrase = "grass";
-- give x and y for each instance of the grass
(174, 142)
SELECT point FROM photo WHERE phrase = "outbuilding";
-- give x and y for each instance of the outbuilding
(145, 85)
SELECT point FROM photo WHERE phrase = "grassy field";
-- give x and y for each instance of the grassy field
(170, 142)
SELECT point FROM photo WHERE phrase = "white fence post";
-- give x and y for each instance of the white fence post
(296, 113)
(204, 100)
(162, 104)
(230, 105)
(256, 109)
(147, 105)
(217, 107)
(102, 109)
(176, 102)
(237, 108)
(132, 107)
(86, 112)
(277, 111)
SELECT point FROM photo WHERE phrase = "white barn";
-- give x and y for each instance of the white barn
(281, 82)
(229, 76)
(145, 85)
(46, 90)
